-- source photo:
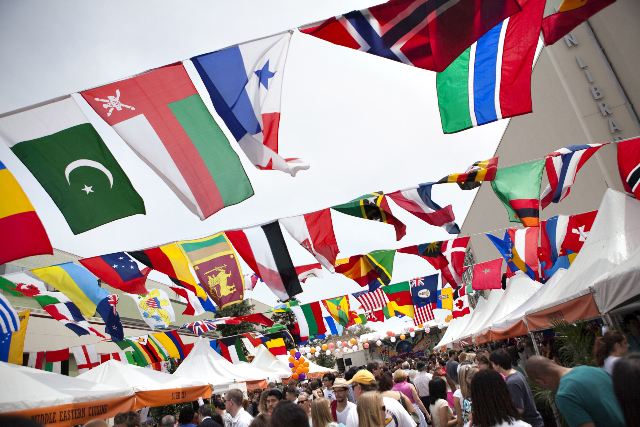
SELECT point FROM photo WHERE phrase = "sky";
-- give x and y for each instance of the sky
(364, 124)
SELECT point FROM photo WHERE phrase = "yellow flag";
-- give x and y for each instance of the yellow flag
(17, 339)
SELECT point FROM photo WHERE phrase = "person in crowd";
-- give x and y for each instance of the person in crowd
(421, 381)
(304, 400)
(185, 418)
(167, 421)
(626, 385)
(291, 394)
(233, 404)
(441, 413)
(262, 420)
(371, 410)
(92, 423)
(327, 382)
(287, 414)
(255, 403)
(347, 376)
(512, 350)
(321, 413)
(262, 406)
(409, 390)
(221, 409)
(273, 398)
(127, 419)
(584, 394)
(632, 322)
(147, 422)
(516, 382)
(609, 348)
(204, 417)
(451, 389)
(396, 415)
(483, 361)
(375, 367)
(492, 403)
(271, 385)
(217, 418)
(385, 386)
(462, 357)
(462, 396)
(452, 366)
(340, 407)
(316, 389)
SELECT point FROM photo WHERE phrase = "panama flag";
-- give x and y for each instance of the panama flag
(120, 271)
(314, 231)
(418, 202)
(163, 119)
(562, 167)
(245, 86)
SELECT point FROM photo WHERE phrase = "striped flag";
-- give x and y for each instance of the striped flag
(372, 301)
(418, 201)
(86, 357)
(54, 361)
(422, 315)
(9, 320)
(70, 316)
(120, 356)
(309, 318)
(478, 172)
(492, 79)
(36, 360)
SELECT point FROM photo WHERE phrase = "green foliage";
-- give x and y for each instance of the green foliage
(287, 318)
(576, 349)
(360, 329)
(240, 309)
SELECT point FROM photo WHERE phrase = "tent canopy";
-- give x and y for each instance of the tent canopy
(472, 328)
(620, 286)
(241, 371)
(200, 364)
(265, 360)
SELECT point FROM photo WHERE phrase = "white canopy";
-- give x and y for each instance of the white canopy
(200, 364)
(614, 236)
(399, 330)
(620, 286)
(242, 371)
(121, 375)
(458, 324)
(519, 289)
(492, 302)
(27, 388)
(265, 360)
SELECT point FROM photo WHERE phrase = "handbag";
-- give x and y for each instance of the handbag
(414, 415)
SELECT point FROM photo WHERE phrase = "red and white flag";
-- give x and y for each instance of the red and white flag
(525, 248)
(629, 165)
(578, 230)
(422, 314)
(454, 251)
(307, 271)
(487, 275)
(86, 357)
(35, 360)
(120, 356)
(461, 306)
(265, 250)
(314, 232)
(372, 300)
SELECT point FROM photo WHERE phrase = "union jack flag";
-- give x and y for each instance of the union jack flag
(416, 282)
(113, 302)
(200, 326)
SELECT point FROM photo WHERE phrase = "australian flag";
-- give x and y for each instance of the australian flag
(113, 325)
(424, 291)
(120, 271)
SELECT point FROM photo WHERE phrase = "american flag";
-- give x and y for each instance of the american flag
(372, 301)
(200, 327)
(422, 314)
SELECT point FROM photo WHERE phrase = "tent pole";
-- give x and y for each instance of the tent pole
(606, 319)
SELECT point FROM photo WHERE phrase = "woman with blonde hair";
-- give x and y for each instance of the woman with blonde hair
(462, 396)
(371, 410)
(401, 385)
(304, 400)
(321, 414)
(262, 406)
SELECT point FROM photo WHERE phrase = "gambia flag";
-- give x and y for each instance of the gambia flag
(163, 119)
(518, 188)
(338, 308)
(66, 155)
(400, 301)
(373, 206)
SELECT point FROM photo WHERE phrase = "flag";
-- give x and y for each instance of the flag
(54, 361)
(276, 346)
(463, 290)
(21, 230)
(160, 115)
(217, 267)
(400, 301)
(9, 320)
(424, 291)
(231, 349)
(422, 315)
(491, 80)
(121, 356)
(314, 232)
(251, 318)
(571, 13)
(251, 280)
(118, 270)
(86, 357)
(629, 165)
(306, 271)
(171, 342)
(461, 306)
(264, 250)
(12, 343)
(169, 260)
(23, 285)
(338, 308)
(66, 155)
(427, 34)
(77, 283)
(562, 167)
(245, 86)
(454, 251)
(155, 308)
(552, 234)
(373, 206)
(418, 201)
(375, 316)
(70, 316)
(200, 326)
(525, 250)
(432, 252)
(254, 338)
(36, 360)
(195, 304)
(372, 300)
(445, 299)
(333, 327)
(146, 349)
(578, 229)
(309, 317)
(109, 313)
(474, 176)
(505, 247)
(374, 269)
(518, 188)
(487, 275)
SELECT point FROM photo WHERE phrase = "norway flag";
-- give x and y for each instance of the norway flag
(120, 271)
(245, 85)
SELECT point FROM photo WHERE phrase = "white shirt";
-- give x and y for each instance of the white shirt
(342, 416)
(242, 419)
(397, 416)
(458, 394)
(609, 363)
(422, 383)
(329, 394)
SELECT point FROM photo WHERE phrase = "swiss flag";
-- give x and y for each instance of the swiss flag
(578, 230)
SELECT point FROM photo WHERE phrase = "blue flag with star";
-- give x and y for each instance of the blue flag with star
(424, 290)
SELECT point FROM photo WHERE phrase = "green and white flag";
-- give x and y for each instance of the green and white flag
(66, 155)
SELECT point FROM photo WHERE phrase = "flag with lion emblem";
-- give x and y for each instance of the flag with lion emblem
(155, 308)
(217, 267)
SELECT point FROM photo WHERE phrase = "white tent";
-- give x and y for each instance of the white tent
(458, 324)
(620, 286)
(200, 364)
(519, 289)
(242, 371)
(265, 360)
(614, 236)
(492, 302)
(23, 388)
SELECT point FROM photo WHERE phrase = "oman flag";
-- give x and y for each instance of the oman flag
(163, 119)
(66, 155)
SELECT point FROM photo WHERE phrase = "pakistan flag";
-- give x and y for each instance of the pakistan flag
(66, 155)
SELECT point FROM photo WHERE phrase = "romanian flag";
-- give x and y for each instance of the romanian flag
(339, 309)
(76, 283)
(169, 260)
(276, 346)
(172, 343)
(373, 206)
(518, 188)
(400, 301)
(476, 173)
(21, 232)
(374, 269)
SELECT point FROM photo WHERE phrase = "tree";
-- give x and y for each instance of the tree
(286, 318)
(240, 309)
(322, 359)
(360, 329)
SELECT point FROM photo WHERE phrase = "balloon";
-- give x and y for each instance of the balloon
(306, 364)
(355, 348)
(296, 363)
(393, 339)
(331, 344)
(324, 346)
(292, 351)
(308, 355)
(291, 365)
(318, 348)
(378, 343)
(338, 343)
(305, 370)
(328, 352)
(312, 350)
(411, 329)
(301, 376)
(301, 360)
(427, 329)
(345, 344)
(412, 334)
(366, 345)
(389, 333)
(352, 340)
(294, 376)
(297, 355)
(403, 336)
(337, 350)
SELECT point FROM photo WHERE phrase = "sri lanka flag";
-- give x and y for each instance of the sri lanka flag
(518, 188)
(492, 79)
